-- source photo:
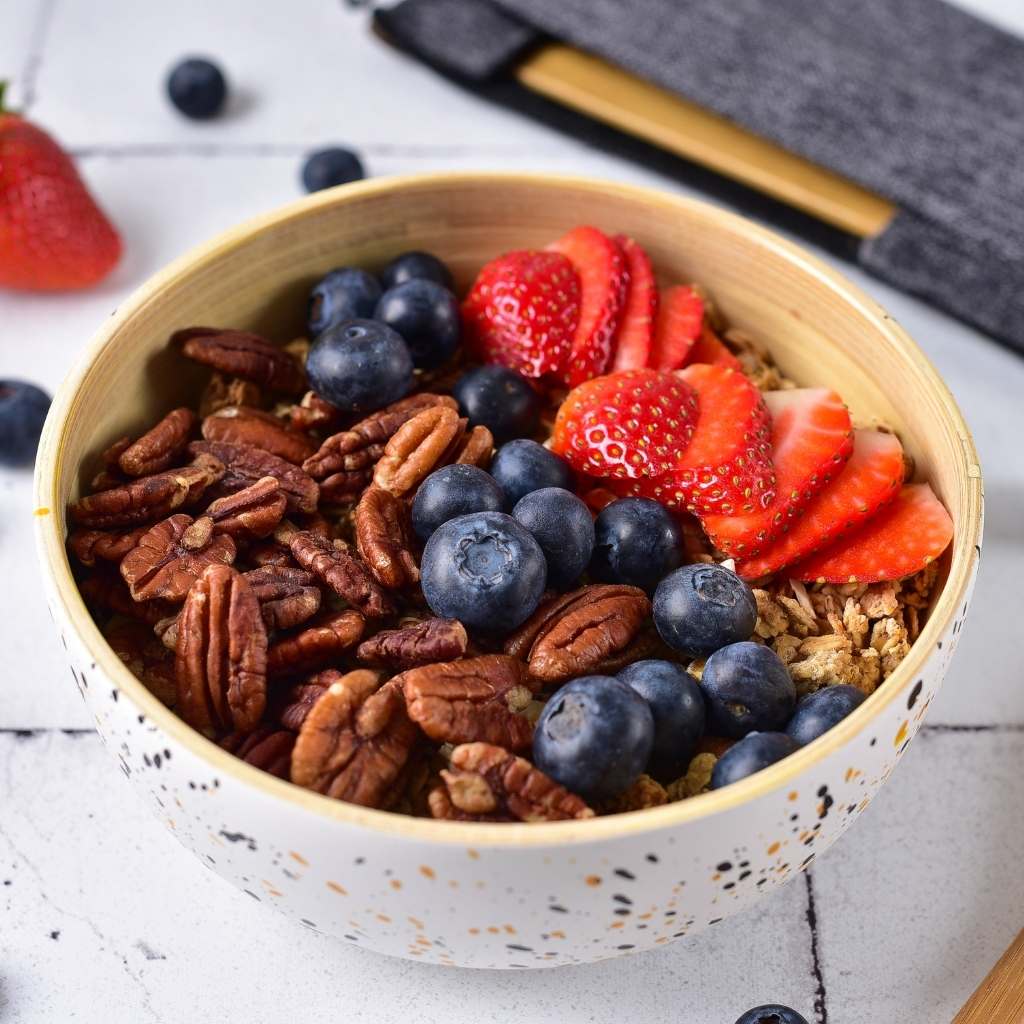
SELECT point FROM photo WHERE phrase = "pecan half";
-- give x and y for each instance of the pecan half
(270, 552)
(239, 424)
(384, 539)
(476, 448)
(355, 741)
(111, 475)
(240, 354)
(576, 632)
(106, 590)
(244, 465)
(473, 793)
(332, 562)
(222, 391)
(287, 597)
(90, 546)
(170, 557)
(321, 642)
(146, 657)
(267, 748)
(221, 661)
(253, 511)
(313, 413)
(421, 643)
(297, 700)
(487, 781)
(159, 446)
(475, 699)
(416, 449)
(148, 498)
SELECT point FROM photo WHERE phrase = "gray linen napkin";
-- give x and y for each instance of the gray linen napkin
(916, 100)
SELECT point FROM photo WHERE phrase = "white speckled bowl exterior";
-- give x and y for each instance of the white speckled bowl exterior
(504, 896)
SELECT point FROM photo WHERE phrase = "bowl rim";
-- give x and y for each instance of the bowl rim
(53, 557)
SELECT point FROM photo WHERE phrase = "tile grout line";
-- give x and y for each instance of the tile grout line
(34, 60)
(817, 972)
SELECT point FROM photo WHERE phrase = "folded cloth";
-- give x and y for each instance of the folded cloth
(917, 101)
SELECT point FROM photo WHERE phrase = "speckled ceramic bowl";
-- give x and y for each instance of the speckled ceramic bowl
(486, 895)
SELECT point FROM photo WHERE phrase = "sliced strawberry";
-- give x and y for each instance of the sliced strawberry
(812, 438)
(604, 281)
(870, 478)
(627, 426)
(897, 541)
(727, 466)
(523, 311)
(709, 348)
(636, 328)
(677, 327)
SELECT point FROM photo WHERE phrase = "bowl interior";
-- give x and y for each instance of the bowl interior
(821, 330)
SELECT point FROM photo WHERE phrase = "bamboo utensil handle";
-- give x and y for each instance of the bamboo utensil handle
(999, 999)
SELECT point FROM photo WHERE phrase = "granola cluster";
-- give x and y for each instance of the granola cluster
(252, 562)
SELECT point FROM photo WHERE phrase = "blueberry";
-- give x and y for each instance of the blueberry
(773, 1013)
(638, 542)
(678, 708)
(755, 751)
(594, 737)
(451, 492)
(700, 608)
(417, 265)
(500, 399)
(23, 408)
(359, 365)
(485, 570)
(427, 315)
(819, 711)
(347, 293)
(563, 527)
(197, 88)
(747, 688)
(524, 466)
(329, 167)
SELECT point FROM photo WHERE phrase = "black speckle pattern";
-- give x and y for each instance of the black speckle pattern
(914, 694)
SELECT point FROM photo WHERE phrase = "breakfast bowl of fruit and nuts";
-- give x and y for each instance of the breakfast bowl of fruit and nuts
(506, 571)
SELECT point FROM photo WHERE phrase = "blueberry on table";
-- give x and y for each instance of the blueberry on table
(772, 1013)
(700, 608)
(23, 409)
(485, 570)
(500, 399)
(329, 167)
(817, 712)
(359, 365)
(638, 543)
(594, 736)
(676, 702)
(523, 466)
(452, 492)
(197, 87)
(752, 753)
(346, 293)
(747, 688)
(426, 315)
(417, 265)
(562, 525)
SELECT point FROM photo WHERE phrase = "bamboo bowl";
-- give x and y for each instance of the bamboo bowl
(486, 895)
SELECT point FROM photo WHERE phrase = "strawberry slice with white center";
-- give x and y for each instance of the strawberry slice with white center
(604, 281)
(727, 466)
(626, 426)
(871, 477)
(523, 311)
(898, 541)
(636, 329)
(709, 348)
(812, 438)
(677, 327)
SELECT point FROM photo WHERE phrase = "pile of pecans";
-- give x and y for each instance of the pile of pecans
(253, 564)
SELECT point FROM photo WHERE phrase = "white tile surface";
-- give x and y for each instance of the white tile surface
(912, 907)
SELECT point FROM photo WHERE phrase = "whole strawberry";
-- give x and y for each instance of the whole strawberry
(53, 236)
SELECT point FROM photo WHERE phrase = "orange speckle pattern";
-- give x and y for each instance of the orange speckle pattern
(427, 872)
(384, 919)
(395, 884)
(473, 854)
(416, 923)
(298, 858)
(339, 889)
(593, 880)
(901, 735)
(774, 849)
(474, 931)
(41, 511)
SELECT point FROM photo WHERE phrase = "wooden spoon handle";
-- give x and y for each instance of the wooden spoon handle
(999, 999)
